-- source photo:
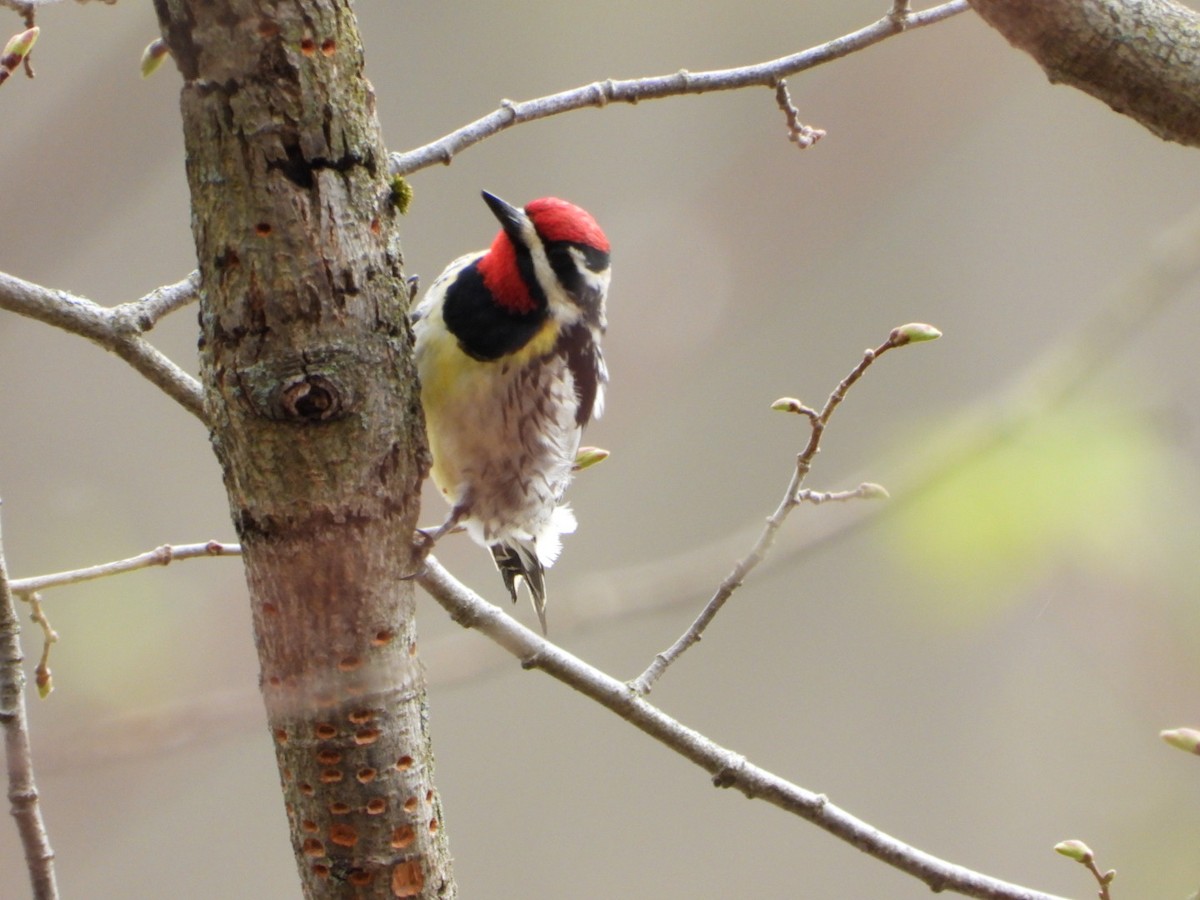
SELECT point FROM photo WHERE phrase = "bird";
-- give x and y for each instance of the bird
(507, 347)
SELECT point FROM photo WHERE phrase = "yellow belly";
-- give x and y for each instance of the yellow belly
(480, 420)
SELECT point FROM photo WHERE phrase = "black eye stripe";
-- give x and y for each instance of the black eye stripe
(561, 260)
(596, 260)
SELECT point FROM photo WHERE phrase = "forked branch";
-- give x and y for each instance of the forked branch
(792, 497)
(118, 329)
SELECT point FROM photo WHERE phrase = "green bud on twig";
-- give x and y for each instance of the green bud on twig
(868, 490)
(913, 333)
(45, 682)
(19, 45)
(152, 57)
(1186, 739)
(17, 49)
(589, 456)
(1076, 850)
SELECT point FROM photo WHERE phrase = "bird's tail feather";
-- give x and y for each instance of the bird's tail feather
(518, 562)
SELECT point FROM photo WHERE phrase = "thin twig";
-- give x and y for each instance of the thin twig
(803, 136)
(142, 315)
(22, 787)
(792, 497)
(1082, 854)
(601, 93)
(41, 673)
(26, 8)
(28, 589)
(865, 491)
(113, 329)
(728, 769)
(1103, 879)
(159, 556)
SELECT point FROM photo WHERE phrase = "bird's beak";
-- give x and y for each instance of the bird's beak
(511, 218)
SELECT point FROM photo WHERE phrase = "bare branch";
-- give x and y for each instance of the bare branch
(728, 769)
(803, 136)
(865, 491)
(1141, 58)
(28, 589)
(792, 497)
(116, 330)
(159, 556)
(23, 7)
(22, 788)
(601, 93)
(142, 315)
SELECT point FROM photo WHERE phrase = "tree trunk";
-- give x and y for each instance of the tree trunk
(315, 418)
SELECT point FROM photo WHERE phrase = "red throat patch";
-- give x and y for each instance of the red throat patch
(502, 278)
(558, 220)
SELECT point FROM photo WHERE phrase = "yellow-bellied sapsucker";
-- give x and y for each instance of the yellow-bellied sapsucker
(508, 352)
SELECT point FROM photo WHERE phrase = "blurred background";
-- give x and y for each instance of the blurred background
(980, 667)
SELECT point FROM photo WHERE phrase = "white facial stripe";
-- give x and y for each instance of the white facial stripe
(560, 304)
(595, 280)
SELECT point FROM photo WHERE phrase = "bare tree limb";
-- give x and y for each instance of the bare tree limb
(601, 93)
(22, 788)
(159, 556)
(728, 769)
(1141, 58)
(118, 330)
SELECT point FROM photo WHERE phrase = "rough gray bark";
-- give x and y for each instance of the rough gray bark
(1141, 57)
(315, 418)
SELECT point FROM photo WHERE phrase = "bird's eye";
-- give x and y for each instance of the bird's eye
(596, 260)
